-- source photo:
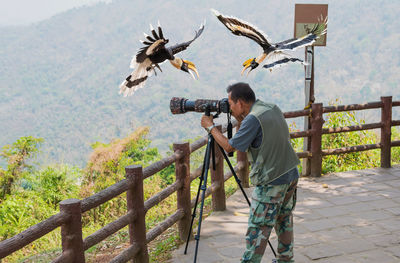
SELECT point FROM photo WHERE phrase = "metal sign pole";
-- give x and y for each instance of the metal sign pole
(309, 98)
(305, 18)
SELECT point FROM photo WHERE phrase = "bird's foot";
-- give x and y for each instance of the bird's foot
(189, 67)
(250, 63)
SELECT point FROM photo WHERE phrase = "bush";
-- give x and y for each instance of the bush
(395, 150)
(349, 161)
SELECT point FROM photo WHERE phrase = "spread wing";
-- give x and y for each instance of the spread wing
(180, 47)
(318, 30)
(152, 44)
(243, 28)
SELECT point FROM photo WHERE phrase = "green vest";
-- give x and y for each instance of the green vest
(275, 156)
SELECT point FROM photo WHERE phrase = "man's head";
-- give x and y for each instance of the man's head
(241, 97)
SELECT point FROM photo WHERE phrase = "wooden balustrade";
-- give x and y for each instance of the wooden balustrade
(69, 218)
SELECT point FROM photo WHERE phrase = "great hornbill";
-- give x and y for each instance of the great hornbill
(151, 55)
(273, 52)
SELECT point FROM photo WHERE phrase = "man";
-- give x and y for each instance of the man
(264, 135)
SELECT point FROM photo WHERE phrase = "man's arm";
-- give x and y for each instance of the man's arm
(207, 121)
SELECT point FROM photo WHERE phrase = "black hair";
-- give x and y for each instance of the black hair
(241, 91)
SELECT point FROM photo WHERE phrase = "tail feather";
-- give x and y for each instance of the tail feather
(283, 61)
(134, 81)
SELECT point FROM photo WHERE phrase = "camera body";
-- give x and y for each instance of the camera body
(180, 105)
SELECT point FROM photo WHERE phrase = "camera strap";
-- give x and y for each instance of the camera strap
(229, 125)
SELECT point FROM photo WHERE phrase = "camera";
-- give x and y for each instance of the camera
(181, 105)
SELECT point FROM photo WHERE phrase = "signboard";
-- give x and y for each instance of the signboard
(306, 16)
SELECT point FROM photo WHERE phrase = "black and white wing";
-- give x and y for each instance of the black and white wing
(243, 28)
(294, 43)
(152, 44)
(180, 47)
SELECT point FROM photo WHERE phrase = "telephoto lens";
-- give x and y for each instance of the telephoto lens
(180, 105)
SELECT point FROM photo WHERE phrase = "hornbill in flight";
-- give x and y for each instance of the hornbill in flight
(274, 53)
(151, 55)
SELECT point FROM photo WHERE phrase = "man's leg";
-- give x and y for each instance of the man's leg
(284, 225)
(263, 215)
(259, 230)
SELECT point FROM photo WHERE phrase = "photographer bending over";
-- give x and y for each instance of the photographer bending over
(264, 135)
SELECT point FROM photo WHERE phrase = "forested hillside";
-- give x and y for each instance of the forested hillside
(59, 78)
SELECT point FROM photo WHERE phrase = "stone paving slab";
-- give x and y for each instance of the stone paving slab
(356, 218)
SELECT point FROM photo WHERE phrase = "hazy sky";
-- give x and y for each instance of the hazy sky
(23, 12)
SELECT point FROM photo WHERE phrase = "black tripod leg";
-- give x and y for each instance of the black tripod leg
(234, 174)
(203, 188)
(196, 202)
(241, 188)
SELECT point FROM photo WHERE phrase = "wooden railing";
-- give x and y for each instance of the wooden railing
(70, 216)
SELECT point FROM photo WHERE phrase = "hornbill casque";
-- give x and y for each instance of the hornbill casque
(274, 53)
(151, 55)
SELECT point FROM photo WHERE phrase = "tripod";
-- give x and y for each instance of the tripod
(203, 187)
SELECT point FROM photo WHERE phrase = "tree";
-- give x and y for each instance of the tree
(17, 155)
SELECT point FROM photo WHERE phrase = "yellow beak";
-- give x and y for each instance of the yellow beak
(246, 65)
(192, 68)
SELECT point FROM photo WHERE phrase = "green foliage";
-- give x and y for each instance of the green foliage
(20, 212)
(16, 156)
(296, 143)
(395, 150)
(56, 183)
(168, 175)
(349, 161)
(26, 206)
(107, 166)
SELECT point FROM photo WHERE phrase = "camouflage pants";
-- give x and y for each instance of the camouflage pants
(272, 206)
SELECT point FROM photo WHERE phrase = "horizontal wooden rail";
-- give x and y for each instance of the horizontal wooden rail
(108, 230)
(104, 195)
(351, 107)
(396, 103)
(22, 239)
(351, 128)
(395, 143)
(126, 255)
(295, 114)
(164, 225)
(158, 166)
(306, 154)
(165, 193)
(357, 148)
(198, 144)
(196, 173)
(65, 257)
(396, 123)
(301, 134)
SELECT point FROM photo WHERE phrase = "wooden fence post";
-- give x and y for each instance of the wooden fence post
(217, 176)
(243, 173)
(386, 133)
(135, 204)
(182, 173)
(71, 232)
(316, 151)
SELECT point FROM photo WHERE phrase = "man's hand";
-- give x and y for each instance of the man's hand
(206, 121)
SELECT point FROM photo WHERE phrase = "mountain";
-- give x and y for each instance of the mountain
(59, 77)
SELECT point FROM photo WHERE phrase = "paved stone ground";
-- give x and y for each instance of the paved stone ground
(342, 217)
